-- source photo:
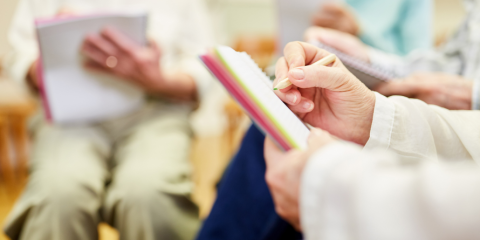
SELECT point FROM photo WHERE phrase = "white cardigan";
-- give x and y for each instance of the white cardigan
(417, 178)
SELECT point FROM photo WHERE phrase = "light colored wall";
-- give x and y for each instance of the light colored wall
(250, 17)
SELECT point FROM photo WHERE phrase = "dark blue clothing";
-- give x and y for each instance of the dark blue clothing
(244, 208)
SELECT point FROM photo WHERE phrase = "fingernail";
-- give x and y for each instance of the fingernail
(292, 98)
(307, 105)
(297, 73)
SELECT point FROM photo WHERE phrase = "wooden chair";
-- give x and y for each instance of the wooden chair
(16, 106)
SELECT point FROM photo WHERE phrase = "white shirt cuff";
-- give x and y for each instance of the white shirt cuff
(382, 124)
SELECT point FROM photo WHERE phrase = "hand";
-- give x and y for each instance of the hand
(341, 41)
(448, 91)
(336, 16)
(284, 171)
(114, 53)
(330, 97)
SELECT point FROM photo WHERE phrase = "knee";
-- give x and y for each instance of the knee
(68, 196)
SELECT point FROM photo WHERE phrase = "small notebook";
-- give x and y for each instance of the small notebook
(71, 94)
(252, 89)
(368, 73)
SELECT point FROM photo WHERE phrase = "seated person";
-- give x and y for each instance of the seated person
(427, 189)
(132, 172)
(456, 57)
(396, 27)
(405, 25)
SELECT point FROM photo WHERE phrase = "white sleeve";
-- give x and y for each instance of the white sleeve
(195, 37)
(415, 130)
(22, 40)
(23, 46)
(350, 193)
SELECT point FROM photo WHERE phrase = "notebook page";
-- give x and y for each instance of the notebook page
(75, 95)
(250, 77)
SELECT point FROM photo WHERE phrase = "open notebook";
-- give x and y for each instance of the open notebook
(71, 94)
(368, 73)
(252, 89)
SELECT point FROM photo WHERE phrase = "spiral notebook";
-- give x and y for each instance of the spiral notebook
(368, 73)
(252, 89)
(70, 93)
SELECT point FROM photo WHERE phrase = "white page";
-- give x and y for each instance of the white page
(259, 85)
(76, 95)
(294, 17)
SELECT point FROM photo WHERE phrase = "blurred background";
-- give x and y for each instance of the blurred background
(247, 25)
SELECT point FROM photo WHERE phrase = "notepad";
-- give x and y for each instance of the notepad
(369, 74)
(71, 94)
(252, 89)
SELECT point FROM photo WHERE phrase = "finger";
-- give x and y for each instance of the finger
(299, 54)
(304, 106)
(338, 9)
(95, 67)
(281, 71)
(291, 97)
(332, 78)
(408, 89)
(325, 20)
(101, 44)
(123, 42)
(272, 153)
(94, 54)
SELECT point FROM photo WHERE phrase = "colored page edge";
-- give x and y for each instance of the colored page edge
(258, 103)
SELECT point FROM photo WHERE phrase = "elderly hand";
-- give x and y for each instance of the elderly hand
(327, 97)
(448, 91)
(284, 171)
(341, 41)
(336, 16)
(114, 53)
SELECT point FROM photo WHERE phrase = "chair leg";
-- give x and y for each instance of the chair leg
(20, 139)
(5, 159)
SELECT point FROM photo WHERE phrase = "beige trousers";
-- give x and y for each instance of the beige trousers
(133, 173)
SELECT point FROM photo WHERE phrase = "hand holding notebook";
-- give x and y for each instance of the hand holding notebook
(71, 94)
(327, 97)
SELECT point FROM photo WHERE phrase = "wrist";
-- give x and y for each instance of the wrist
(365, 123)
(177, 85)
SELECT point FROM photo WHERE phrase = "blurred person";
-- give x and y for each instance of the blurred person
(244, 208)
(396, 27)
(132, 172)
(447, 77)
(426, 189)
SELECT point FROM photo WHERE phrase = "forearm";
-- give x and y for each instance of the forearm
(384, 195)
(178, 86)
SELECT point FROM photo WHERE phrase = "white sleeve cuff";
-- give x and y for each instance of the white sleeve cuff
(476, 95)
(317, 170)
(382, 124)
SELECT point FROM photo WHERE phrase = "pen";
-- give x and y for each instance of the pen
(324, 62)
